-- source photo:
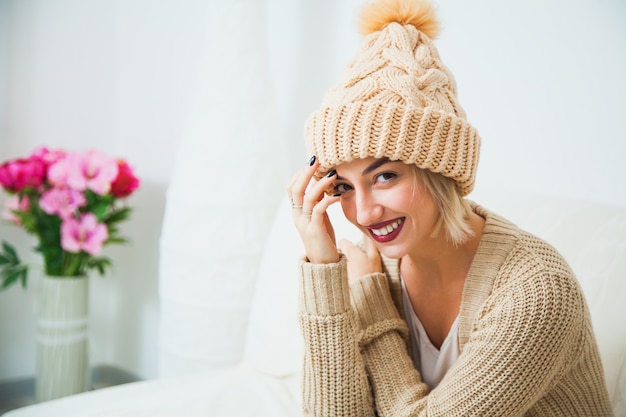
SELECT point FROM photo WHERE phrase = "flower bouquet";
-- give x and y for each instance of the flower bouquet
(72, 202)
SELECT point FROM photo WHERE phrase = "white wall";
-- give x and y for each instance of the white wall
(4, 33)
(541, 81)
(116, 76)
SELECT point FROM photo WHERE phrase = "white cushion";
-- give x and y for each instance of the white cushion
(237, 391)
(592, 238)
(274, 342)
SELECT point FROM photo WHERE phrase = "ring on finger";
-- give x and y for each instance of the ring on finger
(294, 205)
(307, 213)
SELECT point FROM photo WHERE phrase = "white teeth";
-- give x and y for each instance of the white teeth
(384, 231)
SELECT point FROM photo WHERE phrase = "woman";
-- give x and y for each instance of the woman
(445, 308)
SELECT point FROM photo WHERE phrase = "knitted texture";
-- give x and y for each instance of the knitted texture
(527, 344)
(397, 100)
(324, 311)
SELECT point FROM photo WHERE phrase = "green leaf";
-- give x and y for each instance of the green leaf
(10, 279)
(100, 210)
(100, 264)
(10, 251)
(117, 240)
(118, 215)
(24, 277)
(29, 221)
(91, 197)
(12, 274)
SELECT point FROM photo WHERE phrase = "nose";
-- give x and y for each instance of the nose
(368, 208)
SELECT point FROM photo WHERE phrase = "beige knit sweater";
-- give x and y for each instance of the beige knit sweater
(527, 344)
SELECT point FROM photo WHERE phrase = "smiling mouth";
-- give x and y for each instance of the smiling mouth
(387, 232)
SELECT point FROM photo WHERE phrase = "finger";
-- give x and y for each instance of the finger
(293, 189)
(290, 185)
(352, 250)
(317, 191)
(318, 212)
(304, 216)
(346, 246)
(293, 180)
(369, 247)
(301, 181)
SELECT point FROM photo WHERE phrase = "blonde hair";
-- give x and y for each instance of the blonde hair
(454, 210)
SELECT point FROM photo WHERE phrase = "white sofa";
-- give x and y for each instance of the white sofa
(266, 381)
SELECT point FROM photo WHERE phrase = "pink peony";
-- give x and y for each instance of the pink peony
(126, 182)
(85, 170)
(62, 201)
(47, 156)
(59, 170)
(18, 174)
(14, 203)
(85, 234)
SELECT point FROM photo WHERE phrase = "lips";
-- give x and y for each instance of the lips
(387, 231)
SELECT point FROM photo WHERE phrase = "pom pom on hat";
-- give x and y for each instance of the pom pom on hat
(419, 13)
(396, 99)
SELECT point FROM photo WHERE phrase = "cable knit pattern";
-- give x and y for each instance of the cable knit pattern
(396, 99)
(527, 345)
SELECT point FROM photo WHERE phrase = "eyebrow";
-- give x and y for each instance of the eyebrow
(372, 167)
(375, 165)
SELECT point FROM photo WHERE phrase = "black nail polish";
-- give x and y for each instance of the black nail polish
(312, 160)
(331, 173)
(337, 195)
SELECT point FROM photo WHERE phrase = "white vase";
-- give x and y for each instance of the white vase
(62, 346)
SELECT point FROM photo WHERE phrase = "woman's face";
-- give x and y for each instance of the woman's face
(383, 199)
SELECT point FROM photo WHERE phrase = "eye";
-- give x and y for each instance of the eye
(385, 177)
(341, 188)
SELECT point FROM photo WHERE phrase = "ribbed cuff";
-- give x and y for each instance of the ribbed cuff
(372, 300)
(324, 288)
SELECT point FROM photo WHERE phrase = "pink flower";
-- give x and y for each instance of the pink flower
(96, 170)
(62, 201)
(18, 174)
(92, 169)
(58, 171)
(47, 156)
(14, 203)
(85, 170)
(126, 182)
(85, 234)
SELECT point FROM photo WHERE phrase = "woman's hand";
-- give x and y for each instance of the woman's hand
(361, 262)
(309, 213)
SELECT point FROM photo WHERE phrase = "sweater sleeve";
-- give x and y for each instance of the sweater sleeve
(524, 339)
(528, 335)
(334, 377)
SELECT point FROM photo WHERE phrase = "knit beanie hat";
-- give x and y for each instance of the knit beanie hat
(396, 99)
